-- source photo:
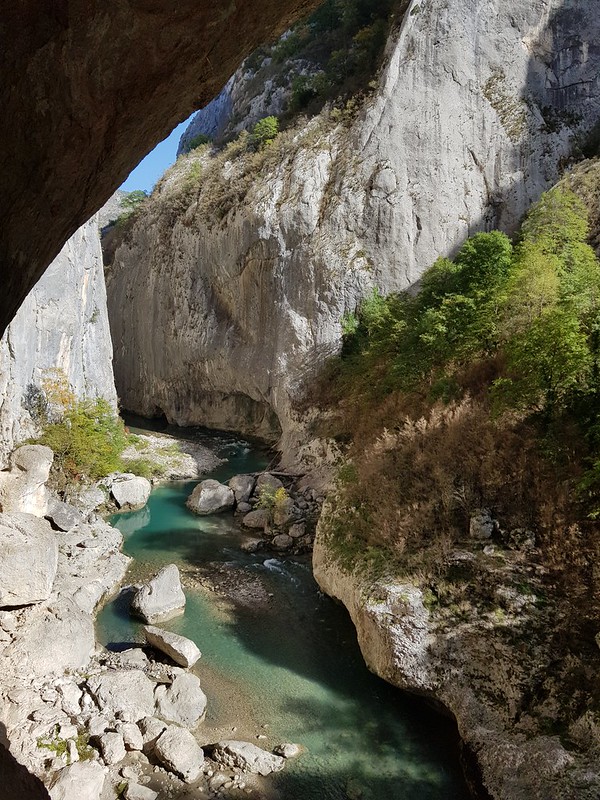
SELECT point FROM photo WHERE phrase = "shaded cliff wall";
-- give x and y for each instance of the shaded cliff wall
(62, 324)
(230, 287)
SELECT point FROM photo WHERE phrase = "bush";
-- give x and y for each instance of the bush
(264, 132)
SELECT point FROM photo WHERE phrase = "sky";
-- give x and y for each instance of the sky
(150, 168)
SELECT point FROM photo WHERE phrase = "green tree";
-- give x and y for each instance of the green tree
(264, 131)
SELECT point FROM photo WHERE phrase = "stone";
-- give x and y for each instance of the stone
(133, 658)
(161, 598)
(130, 491)
(135, 791)
(23, 486)
(181, 650)
(58, 637)
(97, 725)
(242, 487)
(243, 508)
(128, 693)
(259, 518)
(182, 702)
(282, 511)
(282, 541)
(62, 515)
(29, 559)
(267, 481)
(210, 497)
(112, 747)
(179, 752)
(83, 780)
(151, 729)
(247, 757)
(71, 695)
(481, 524)
(132, 735)
(89, 499)
(287, 750)
(297, 530)
(251, 545)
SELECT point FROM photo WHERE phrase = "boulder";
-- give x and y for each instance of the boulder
(132, 735)
(242, 487)
(62, 515)
(481, 524)
(283, 511)
(259, 518)
(287, 750)
(179, 752)
(282, 541)
(23, 486)
(251, 545)
(135, 791)
(297, 530)
(128, 693)
(182, 702)
(247, 757)
(130, 491)
(161, 598)
(151, 729)
(112, 748)
(56, 638)
(29, 559)
(83, 780)
(210, 497)
(267, 481)
(181, 650)
(243, 508)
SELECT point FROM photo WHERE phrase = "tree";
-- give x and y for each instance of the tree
(264, 131)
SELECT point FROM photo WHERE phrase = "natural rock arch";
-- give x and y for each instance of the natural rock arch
(87, 88)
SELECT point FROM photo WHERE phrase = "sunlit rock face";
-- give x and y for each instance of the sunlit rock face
(87, 89)
(222, 318)
(60, 333)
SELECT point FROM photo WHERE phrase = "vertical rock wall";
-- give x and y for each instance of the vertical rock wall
(219, 319)
(62, 324)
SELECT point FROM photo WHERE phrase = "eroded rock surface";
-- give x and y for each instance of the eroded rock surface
(161, 598)
(28, 558)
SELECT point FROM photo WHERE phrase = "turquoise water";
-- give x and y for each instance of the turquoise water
(291, 653)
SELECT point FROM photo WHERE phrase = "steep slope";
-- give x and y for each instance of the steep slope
(62, 325)
(246, 262)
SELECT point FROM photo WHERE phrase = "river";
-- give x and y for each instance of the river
(280, 661)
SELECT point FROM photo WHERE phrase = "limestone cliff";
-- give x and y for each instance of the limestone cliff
(62, 325)
(228, 290)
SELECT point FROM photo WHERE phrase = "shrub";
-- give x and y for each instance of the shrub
(264, 132)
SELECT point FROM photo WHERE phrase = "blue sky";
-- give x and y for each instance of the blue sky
(149, 170)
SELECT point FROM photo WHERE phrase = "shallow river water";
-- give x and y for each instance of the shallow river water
(280, 660)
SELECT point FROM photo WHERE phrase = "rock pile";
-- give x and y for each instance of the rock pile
(284, 514)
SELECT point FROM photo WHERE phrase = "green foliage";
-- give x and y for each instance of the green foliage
(198, 141)
(264, 132)
(87, 442)
(133, 199)
(272, 499)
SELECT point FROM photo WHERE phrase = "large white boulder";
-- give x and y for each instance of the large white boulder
(247, 757)
(28, 559)
(128, 693)
(210, 497)
(182, 702)
(183, 651)
(23, 486)
(83, 780)
(161, 598)
(242, 487)
(178, 751)
(130, 491)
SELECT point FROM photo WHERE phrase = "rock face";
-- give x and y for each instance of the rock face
(29, 558)
(475, 111)
(63, 155)
(210, 497)
(476, 670)
(161, 598)
(128, 693)
(60, 330)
